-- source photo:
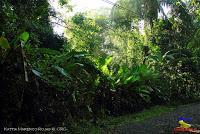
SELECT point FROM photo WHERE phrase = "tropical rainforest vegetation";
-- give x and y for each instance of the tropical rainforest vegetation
(106, 65)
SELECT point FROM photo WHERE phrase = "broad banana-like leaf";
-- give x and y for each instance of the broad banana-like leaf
(36, 73)
(132, 79)
(175, 53)
(143, 90)
(62, 71)
(77, 54)
(71, 66)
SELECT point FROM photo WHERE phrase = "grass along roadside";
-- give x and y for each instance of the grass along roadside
(109, 123)
(113, 122)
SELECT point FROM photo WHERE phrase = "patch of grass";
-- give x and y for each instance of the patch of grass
(84, 127)
(112, 122)
(109, 123)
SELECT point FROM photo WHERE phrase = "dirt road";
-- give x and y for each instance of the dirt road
(163, 124)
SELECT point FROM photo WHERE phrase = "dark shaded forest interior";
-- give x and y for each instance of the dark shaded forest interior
(106, 63)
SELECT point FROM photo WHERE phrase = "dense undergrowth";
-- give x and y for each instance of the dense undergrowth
(48, 81)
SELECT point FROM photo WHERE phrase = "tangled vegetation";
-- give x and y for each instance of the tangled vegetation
(103, 66)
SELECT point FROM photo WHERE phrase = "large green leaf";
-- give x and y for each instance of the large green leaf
(108, 60)
(145, 72)
(105, 60)
(144, 92)
(73, 66)
(105, 70)
(24, 37)
(62, 71)
(4, 43)
(132, 79)
(77, 54)
(37, 73)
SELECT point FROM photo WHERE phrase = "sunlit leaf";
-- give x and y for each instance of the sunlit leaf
(108, 60)
(24, 37)
(105, 69)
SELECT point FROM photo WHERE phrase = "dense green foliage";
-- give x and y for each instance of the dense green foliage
(104, 66)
